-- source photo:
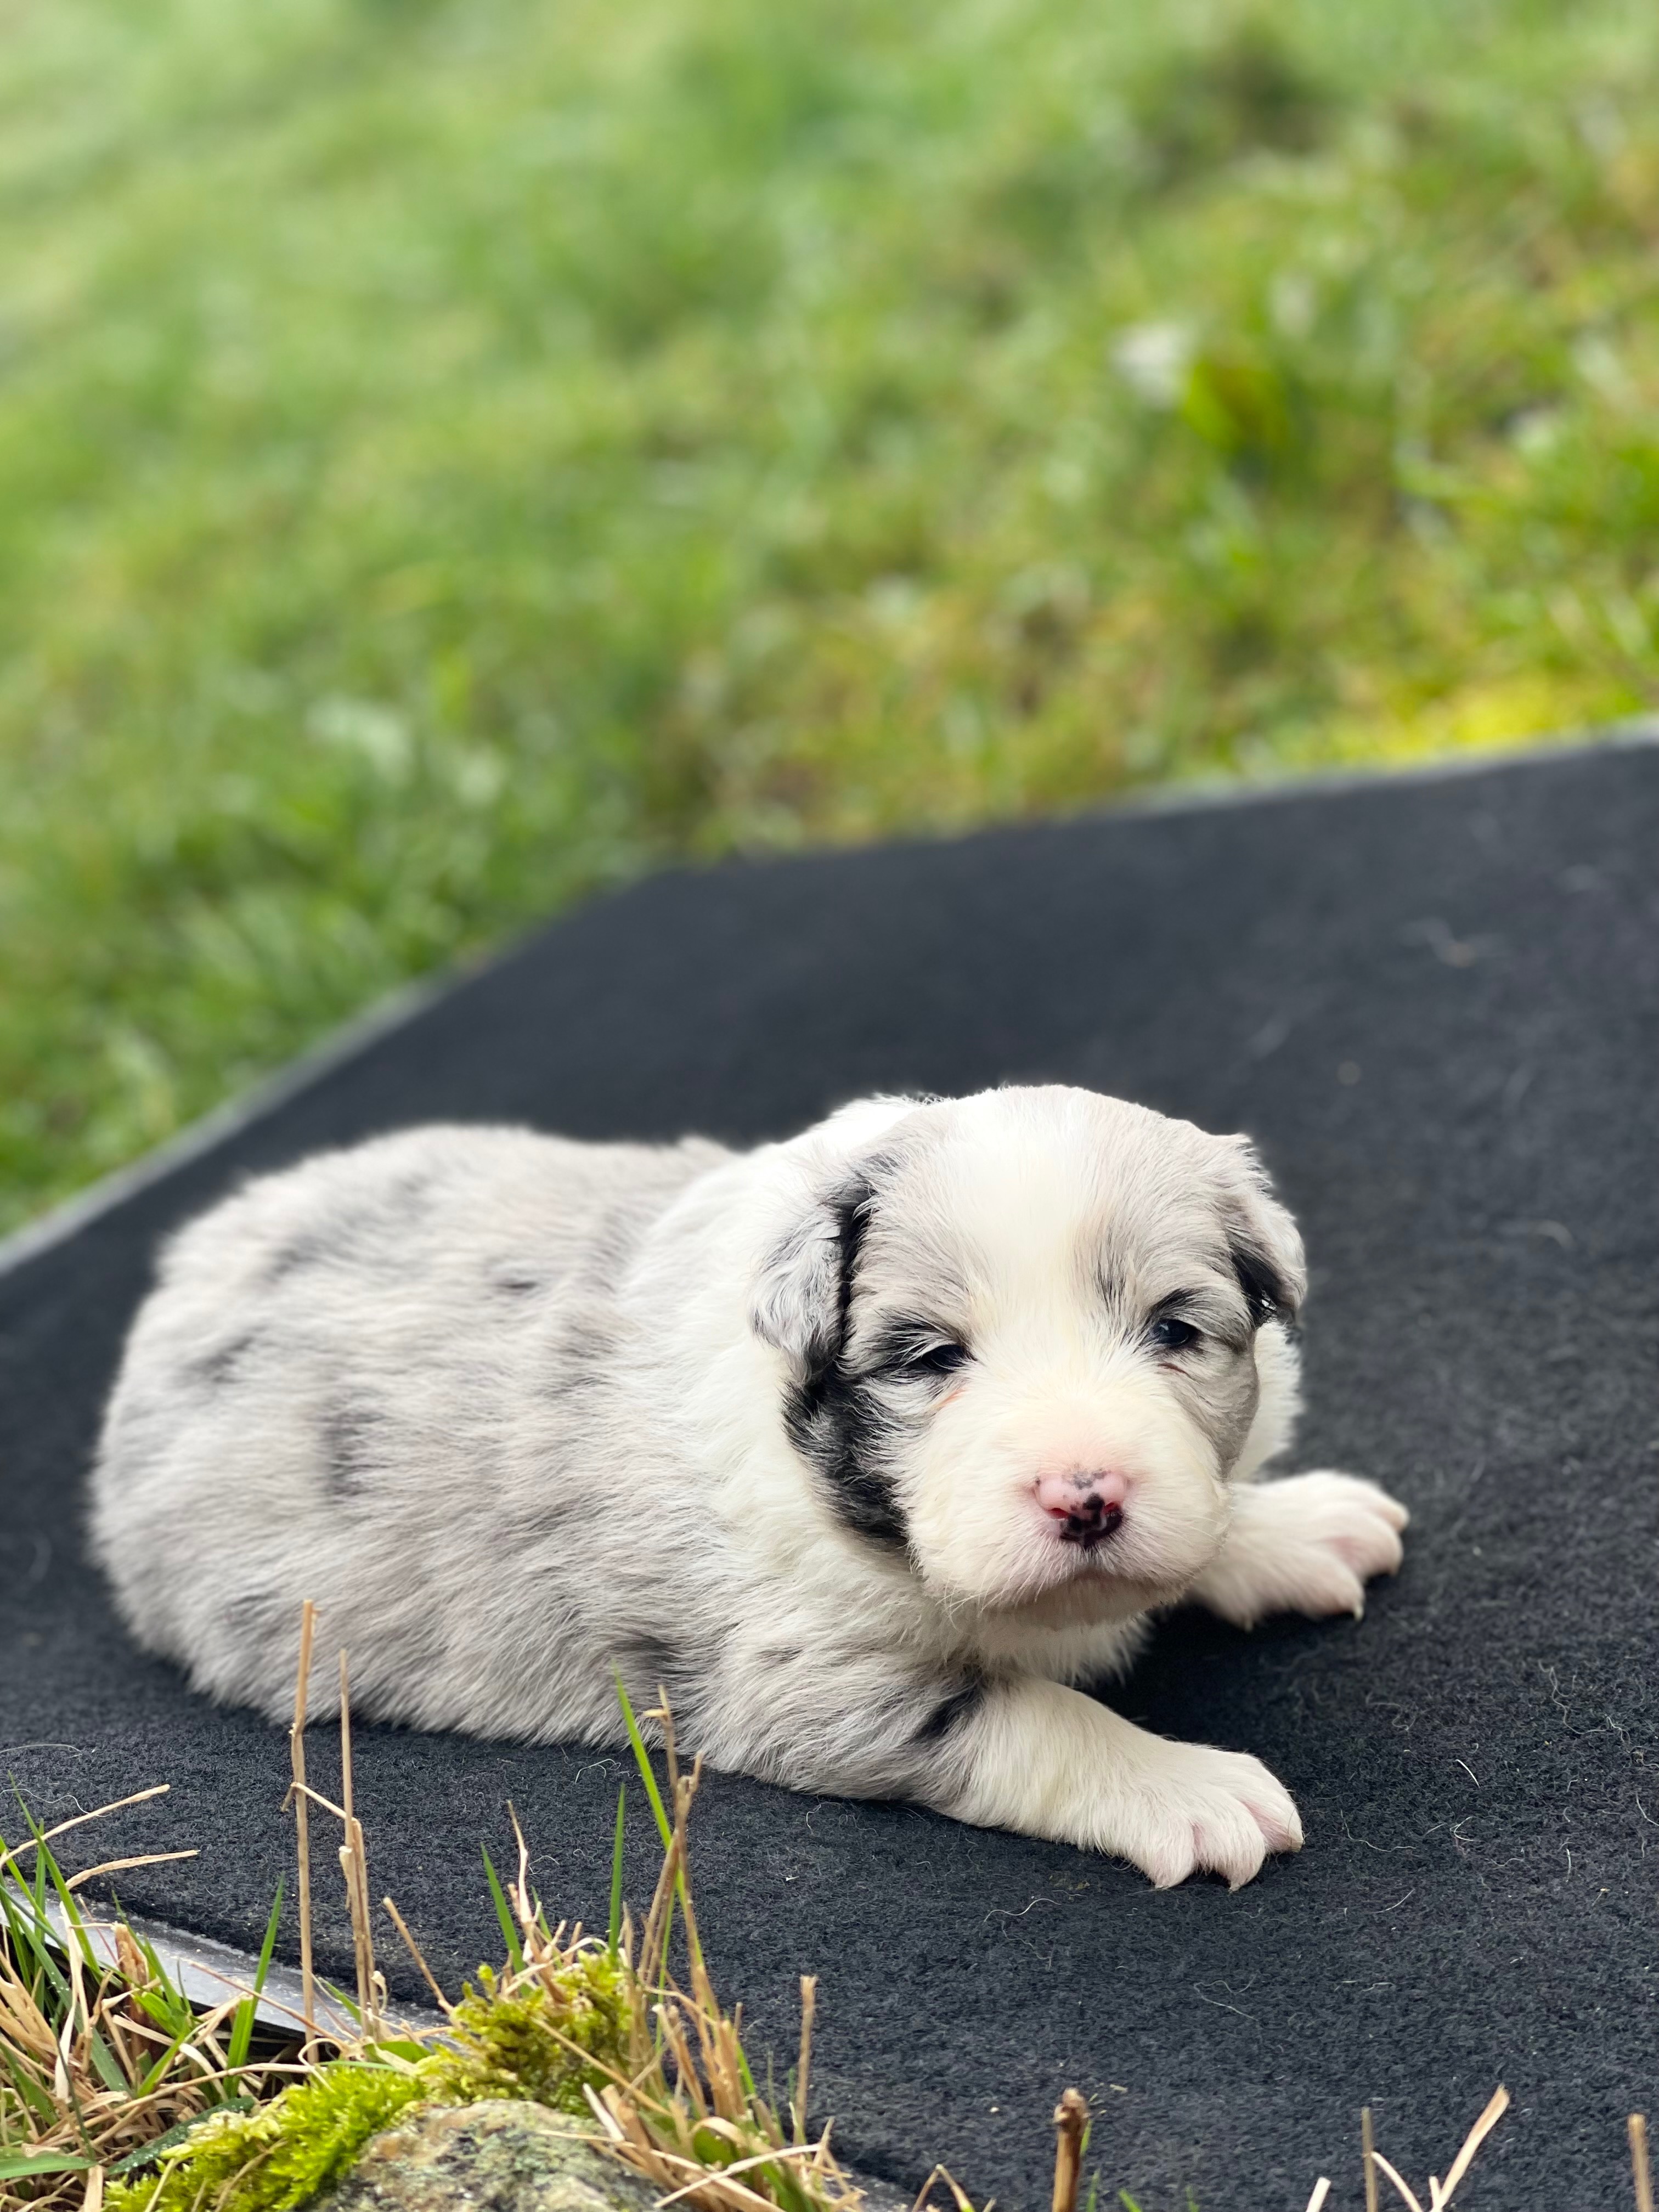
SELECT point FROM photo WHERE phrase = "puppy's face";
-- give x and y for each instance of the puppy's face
(1021, 1333)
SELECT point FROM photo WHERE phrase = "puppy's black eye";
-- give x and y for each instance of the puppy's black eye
(1169, 1335)
(937, 1360)
(928, 1359)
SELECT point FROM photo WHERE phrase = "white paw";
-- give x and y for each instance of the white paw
(1309, 1544)
(1185, 1809)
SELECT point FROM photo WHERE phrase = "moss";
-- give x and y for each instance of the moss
(518, 2044)
(276, 2158)
(527, 2045)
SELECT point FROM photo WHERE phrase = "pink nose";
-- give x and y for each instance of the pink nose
(1086, 1508)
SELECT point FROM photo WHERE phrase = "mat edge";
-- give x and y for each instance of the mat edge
(61, 1222)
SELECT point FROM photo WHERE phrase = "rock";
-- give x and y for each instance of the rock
(501, 2156)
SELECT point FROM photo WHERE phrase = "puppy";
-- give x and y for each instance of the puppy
(868, 1447)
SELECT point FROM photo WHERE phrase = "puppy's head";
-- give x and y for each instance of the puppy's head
(1024, 1337)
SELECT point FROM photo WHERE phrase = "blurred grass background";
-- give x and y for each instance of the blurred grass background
(456, 452)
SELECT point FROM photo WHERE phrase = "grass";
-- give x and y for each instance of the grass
(103, 2059)
(117, 2095)
(92, 2113)
(454, 453)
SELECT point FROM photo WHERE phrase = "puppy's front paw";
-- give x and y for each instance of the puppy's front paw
(1189, 1809)
(1309, 1544)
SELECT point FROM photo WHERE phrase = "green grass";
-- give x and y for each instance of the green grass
(456, 452)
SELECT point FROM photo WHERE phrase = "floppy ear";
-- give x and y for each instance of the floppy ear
(805, 1287)
(1263, 1240)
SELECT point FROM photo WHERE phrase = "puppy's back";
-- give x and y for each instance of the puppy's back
(348, 1385)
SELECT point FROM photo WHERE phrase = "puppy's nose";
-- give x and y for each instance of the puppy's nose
(1086, 1508)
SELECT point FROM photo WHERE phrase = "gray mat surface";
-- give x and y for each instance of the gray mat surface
(1436, 1004)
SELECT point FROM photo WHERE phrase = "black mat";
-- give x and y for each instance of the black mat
(1437, 1004)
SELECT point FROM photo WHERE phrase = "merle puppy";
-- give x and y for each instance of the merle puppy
(868, 1446)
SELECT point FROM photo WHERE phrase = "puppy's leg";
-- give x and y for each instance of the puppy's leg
(1309, 1544)
(1048, 1762)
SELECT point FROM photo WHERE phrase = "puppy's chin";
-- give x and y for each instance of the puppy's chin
(1052, 1585)
(1091, 1599)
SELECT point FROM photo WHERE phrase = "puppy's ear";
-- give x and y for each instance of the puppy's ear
(804, 1292)
(1263, 1240)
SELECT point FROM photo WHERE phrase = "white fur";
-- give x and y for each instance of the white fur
(521, 1414)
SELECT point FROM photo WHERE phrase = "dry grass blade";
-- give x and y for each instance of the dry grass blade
(1641, 2171)
(926, 2188)
(1440, 2192)
(523, 1905)
(354, 1865)
(958, 2195)
(739, 2166)
(652, 1964)
(609, 2123)
(1071, 2123)
(1409, 2194)
(119, 1866)
(1367, 2156)
(80, 1819)
(809, 2005)
(296, 1752)
(418, 1956)
(1321, 2190)
(1498, 2105)
(713, 2190)
(316, 1797)
(685, 2068)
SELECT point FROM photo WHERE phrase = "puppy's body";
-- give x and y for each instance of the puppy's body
(865, 1447)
